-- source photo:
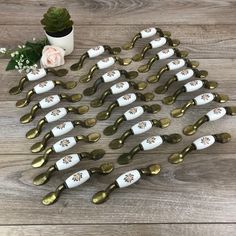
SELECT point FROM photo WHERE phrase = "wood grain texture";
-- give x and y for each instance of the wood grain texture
(196, 197)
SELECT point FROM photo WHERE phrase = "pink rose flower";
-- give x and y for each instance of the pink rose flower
(52, 56)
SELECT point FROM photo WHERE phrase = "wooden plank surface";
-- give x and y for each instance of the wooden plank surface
(196, 197)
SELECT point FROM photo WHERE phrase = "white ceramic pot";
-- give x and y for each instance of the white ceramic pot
(66, 42)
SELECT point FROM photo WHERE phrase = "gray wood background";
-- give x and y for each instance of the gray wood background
(197, 197)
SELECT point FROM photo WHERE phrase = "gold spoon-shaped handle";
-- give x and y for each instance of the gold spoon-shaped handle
(76, 180)
(163, 54)
(60, 130)
(198, 101)
(139, 128)
(124, 101)
(148, 144)
(212, 115)
(156, 43)
(54, 115)
(146, 33)
(67, 162)
(131, 114)
(125, 180)
(199, 144)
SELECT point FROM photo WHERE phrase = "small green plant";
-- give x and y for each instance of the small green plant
(56, 19)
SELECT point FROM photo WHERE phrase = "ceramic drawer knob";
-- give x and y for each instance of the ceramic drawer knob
(199, 144)
(125, 180)
(212, 115)
(139, 128)
(131, 114)
(67, 162)
(163, 54)
(48, 102)
(117, 88)
(148, 144)
(110, 76)
(94, 52)
(146, 33)
(44, 87)
(156, 43)
(103, 64)
(75, 180)
(55, 115)
(124, 101)
(35, 75)
(62, 145)
(202, 99)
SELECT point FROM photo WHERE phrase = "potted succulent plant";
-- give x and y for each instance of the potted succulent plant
(59, 28)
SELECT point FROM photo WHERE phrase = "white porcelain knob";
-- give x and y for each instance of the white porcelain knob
(105, 62)
(55, 114)
(49, 101)
(111, 76)
(141, 127)
(126, 99)
(165, 53)
(216, 113)
(44, 87)
(96, 51)
(204, 99)
(62, 128)
(193, 85)
(64, 144)
(36, 74)
(184, 74)
(158, 42)
(77, 179)
(133, 113)
(128, 178)
(146, 33)
(204, 142)
(67, 162)
(119, 87)
(151, 142)
(176, 64)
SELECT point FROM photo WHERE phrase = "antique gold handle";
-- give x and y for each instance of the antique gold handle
(199, 144)
(63, 145)
(47, 102)
(110, 76)
(148, 144)
(67, 162)
(156, 43)
(125, 180)
(44, 87)
(146, 33)
(76, 180)
(117, 88)
(36, 75)
(124, 101)
(103, 64)
(94, 52)
(60, 130)
(173, 65)
(212, 115)
(139, 128)
(54, 115)
(131, 114)
(163, 54)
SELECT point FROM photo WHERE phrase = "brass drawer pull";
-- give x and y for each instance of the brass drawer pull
(125, 180)
(110, 76)
(103, 64)
(139, 128)
(131, 114)
(212, 115)
(35, 75)
(54, 115)
(67, 162)
(148, 144)
(94, 52)
(156, 43)
(117, 88)
(189, 87)
(76, 180)
(198, 101)
(63, 145)
(124, 100)
(163, 54)
(146, 33)
(60, 130)
(47, 102)
(199, 144)
(173, 65)
(44, 87)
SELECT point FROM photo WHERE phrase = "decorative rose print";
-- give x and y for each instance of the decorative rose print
(205, 140)
(67, 159)
(194, 83)
(96, 48)
(49, 99)
(120, 85)
(56, 112)
(184, 72)
(148, 30)
(77, 177)
(176, 62)
(35, 71)
(165, 51)
(64, 142)
(217, 110)
(61, 126)
(142, 124)
(43, 84)
(111, 73)
(151, 140)
(133, 110)
(126, 97)
(129, 178)
(105, 59)
(205, 97)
